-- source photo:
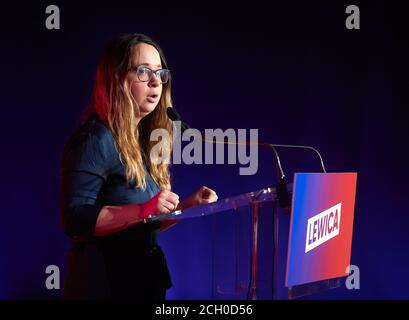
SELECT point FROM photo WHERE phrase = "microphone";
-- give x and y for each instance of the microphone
(281, 187)
(174, 116)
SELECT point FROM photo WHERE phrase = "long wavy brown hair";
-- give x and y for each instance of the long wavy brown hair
(114, 104)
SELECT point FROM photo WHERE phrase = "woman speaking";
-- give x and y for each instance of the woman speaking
(110, 184)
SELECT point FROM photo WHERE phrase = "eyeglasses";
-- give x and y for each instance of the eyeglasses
(145, 74)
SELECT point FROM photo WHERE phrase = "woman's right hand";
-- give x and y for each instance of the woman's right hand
(164, 202)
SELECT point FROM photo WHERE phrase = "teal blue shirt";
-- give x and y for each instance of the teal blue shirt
(125, 263)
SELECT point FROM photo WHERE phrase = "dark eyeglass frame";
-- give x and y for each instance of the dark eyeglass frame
(151, 72)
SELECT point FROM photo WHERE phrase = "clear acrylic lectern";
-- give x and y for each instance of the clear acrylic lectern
(253, 235)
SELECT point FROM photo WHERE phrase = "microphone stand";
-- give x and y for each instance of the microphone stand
(283, 201)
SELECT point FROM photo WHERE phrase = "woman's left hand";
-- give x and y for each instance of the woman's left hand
(201, 196)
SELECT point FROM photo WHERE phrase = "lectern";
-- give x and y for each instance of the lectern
(251, 200)
(302, 240)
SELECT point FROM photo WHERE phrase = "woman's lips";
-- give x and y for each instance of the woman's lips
(152, 98)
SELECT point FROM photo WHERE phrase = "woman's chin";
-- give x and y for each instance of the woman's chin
(146, 109)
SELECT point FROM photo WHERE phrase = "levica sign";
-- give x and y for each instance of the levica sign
(321, 227)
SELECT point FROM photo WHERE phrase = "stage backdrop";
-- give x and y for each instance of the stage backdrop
(293, 71)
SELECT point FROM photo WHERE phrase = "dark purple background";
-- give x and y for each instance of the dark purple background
(292, 71)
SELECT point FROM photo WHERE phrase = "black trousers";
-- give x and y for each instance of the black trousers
(119, 274)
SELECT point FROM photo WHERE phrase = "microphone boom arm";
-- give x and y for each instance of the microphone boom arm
(300, 147)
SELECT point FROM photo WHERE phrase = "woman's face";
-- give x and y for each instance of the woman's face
(146, 94)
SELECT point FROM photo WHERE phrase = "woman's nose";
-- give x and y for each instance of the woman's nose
(155, 81)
